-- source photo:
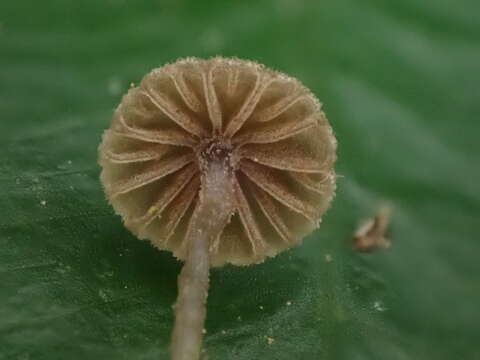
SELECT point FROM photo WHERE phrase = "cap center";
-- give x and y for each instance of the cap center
(215, 150)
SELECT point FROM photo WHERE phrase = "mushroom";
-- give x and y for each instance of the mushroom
(218, 161)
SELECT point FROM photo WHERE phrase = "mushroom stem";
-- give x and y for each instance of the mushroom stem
(212, 213)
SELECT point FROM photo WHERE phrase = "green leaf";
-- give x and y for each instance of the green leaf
(400, 83)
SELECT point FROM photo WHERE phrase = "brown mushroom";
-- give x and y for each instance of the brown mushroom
(219, 161)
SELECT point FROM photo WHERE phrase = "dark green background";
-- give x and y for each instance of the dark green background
(400, 83)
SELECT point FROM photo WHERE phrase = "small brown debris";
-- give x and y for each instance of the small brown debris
(371, 235)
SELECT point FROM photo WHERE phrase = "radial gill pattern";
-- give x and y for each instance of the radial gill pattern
(267, 124)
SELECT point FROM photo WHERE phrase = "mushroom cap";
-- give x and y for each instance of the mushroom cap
(279, 143)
